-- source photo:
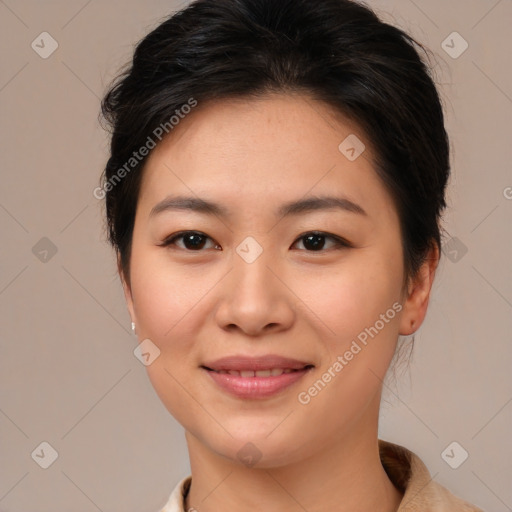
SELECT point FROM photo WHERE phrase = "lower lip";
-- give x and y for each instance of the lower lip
(256, 387)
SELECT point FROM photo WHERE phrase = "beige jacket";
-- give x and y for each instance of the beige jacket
(404, 468)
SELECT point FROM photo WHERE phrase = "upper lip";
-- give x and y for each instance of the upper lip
(255, 363)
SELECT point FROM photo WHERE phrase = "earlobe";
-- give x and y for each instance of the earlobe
(418, 294)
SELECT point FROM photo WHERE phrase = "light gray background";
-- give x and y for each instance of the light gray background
(67, 370)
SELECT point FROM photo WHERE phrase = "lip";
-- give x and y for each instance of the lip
(240, 363)
(256, 387)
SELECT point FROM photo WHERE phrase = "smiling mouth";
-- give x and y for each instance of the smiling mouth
(270, 372)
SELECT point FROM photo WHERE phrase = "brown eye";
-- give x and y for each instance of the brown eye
(315, 241)
(191, 240)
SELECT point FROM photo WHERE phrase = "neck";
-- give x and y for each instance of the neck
(345, 476)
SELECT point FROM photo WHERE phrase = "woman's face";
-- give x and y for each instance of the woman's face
(255, 282)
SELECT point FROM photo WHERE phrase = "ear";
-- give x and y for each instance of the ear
(418, 293)
(127, 291)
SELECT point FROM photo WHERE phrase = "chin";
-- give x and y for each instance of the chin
(254, 447)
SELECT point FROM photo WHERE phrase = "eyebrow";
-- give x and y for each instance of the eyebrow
(299, 207)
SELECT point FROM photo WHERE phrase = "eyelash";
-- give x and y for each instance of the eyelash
(340, 243)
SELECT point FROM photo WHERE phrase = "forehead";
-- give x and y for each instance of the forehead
(248, 152)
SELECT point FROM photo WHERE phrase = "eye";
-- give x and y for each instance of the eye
(315, 241)
(192, 240)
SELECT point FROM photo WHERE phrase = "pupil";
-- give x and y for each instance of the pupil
(194, 240)
(314, 241)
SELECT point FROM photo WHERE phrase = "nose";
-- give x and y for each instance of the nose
(255, 298)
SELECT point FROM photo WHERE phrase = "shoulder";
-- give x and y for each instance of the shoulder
(420, 492)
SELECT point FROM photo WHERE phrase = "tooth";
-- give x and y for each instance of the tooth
(247, 373)
(234, 372)
(263, 373)
(276, 371)
(288, 370)
(222, 371)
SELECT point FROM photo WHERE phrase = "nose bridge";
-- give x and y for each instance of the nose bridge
(251, 269)
(251, 273)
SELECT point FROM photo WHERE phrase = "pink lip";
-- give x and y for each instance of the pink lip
(256, 387)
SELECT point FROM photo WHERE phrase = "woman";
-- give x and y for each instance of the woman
(274, 193)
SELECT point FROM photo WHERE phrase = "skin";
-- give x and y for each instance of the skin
(251, 156)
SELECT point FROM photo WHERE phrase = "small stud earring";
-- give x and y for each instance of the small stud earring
(133, 328)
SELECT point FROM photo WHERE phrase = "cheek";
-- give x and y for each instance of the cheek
(351, 297)
(166, 295)
(169, 303)
(362, 307)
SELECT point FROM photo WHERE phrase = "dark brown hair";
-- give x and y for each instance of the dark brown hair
(337, 51)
